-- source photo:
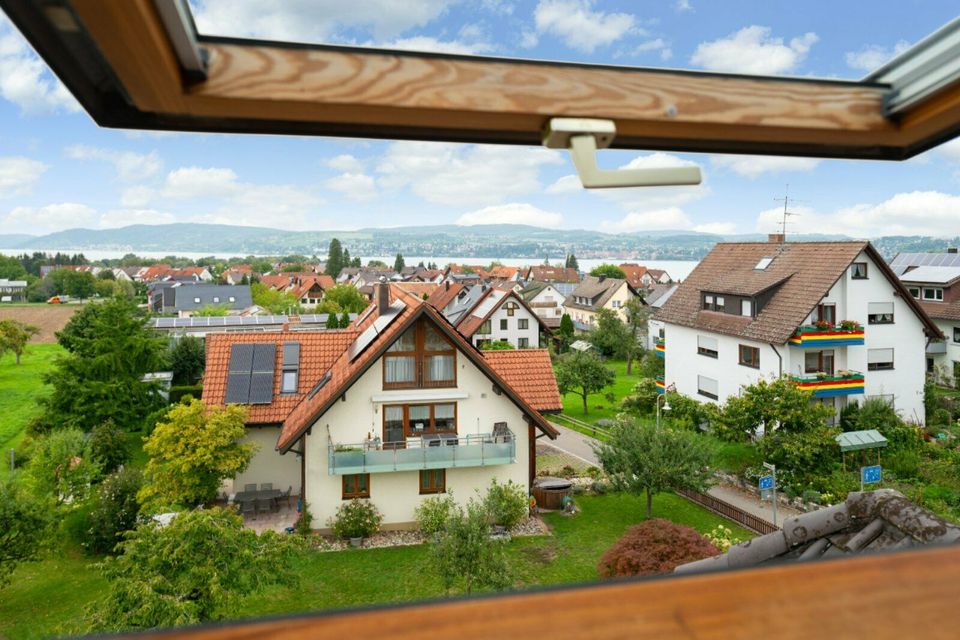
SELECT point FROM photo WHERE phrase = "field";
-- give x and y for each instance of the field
(51, 596)
(598, 408)
(20, 386)
(50, 318)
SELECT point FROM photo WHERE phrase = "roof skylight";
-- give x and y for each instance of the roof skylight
(763, 264)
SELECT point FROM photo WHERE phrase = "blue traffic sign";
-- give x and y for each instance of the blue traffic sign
(766, 483)
(870, 475)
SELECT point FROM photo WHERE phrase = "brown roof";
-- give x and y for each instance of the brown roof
(597, 289)
(549, 273)
(634, 273)
(419, 288)
(443, 295)
(801, 272)
(344, 372)
(278, 282)
(942, 310)
(318, 351)
(530, 372)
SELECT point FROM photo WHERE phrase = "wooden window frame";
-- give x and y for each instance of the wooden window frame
(356, 493)
(820, 360)
(753, 350)
(523, 324)
(822, 308)
(431, 487)
(432, 427)
(853, 271)
(420, 355)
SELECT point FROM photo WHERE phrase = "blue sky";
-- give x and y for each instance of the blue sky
(58, 170)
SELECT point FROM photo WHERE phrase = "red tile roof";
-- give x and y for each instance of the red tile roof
(530, 372)
(318, 351)
(419, 289)
(277, 282)
(549, 273)
(634, 273)
(443, 295)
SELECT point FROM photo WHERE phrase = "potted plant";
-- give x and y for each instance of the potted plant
(849, 325)
(356, 520)
(822, 325)
(822, 375)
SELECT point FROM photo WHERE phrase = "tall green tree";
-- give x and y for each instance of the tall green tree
(644, 460)
(187, 360)
(191, 451)
(572, 262)
(12, 269)
(346, 297)
(110, 350)
(566, 332)
(398, 263)
(334, 259)
(610, 335)
(14, 336)
(347, 260)
(195, 569)
(583, 373)
(79, 284)
(62, 466)
(24, 526)
(638, 327)
(278, 302)
(608, 270)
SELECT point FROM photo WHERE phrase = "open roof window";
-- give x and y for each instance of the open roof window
(763, 264)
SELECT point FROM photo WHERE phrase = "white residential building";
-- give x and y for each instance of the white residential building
(399, 408)
(831, 315)
(546, 301)
(501, 315)
(595, 293)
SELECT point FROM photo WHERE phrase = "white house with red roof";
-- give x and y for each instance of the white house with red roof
(396, 408)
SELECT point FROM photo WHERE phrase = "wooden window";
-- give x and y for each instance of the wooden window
(404, 421)
(485, 328)
(433, 481)
(421, 357)
(750, 356)
(503, 324)
(356, 485)
(879, 359)
(523, 323)
(523, 343)
(818, 361)
(880, 313)
(827, 313)
(511, 308)
(707, 346)
(859, 271)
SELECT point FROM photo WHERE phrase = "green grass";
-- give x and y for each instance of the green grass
(50, 597)
(597, 406)
(20, 387)
(734, 457)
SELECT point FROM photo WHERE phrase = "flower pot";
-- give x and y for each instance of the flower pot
(356, 542)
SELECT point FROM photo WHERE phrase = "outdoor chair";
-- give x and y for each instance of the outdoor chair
(250, 487)
(286, 495)
(264, 505)
(248, 508)
(266, 486)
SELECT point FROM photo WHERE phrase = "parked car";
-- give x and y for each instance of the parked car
(59, 300)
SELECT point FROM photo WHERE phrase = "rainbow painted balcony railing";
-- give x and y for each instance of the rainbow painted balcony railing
(660, 347)
(812, 337)
(661, 385)
(844, 383)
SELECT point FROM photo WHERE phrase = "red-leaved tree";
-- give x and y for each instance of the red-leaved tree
(654, 546)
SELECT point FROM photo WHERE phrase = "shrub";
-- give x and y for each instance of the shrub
(465, 556)
(643, 400)
(599, 487)
(356, 519)
(114, 511)
(940, 417)
(433, 512)
(879, 415)
(722, 538)
(905, 464)
(304, 524)
(179, 393)
(654, 546)
(109, 445)
(506, 503)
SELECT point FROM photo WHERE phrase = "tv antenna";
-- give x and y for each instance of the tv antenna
(786, 200)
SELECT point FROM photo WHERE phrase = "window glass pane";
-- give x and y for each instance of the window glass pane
(393, 424)
(811, 362)
(399, 369)
(349, 485)
(405, 342)
(746, 308)
(443, 417)
(362, 483)
(419, 417)
(433, 341)
(440, 368)
(289, 382)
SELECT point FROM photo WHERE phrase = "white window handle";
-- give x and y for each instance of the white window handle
(583, 136)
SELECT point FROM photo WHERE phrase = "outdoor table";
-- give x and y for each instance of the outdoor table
(252, 496)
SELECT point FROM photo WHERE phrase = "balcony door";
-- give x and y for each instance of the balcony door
(817, 361)
(827, 313)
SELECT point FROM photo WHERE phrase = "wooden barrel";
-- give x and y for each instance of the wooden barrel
(550, 492)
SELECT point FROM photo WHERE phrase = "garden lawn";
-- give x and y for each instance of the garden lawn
(20, 387)
(597, 406)
(50, 597)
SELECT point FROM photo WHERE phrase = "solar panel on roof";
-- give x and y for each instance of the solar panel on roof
(238, 388)
(261, 388)
(241, 358)
(379, 326)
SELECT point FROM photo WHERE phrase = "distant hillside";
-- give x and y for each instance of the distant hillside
(486, 241)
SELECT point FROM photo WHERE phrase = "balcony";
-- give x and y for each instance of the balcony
(660, 347)
(661, 385)
(826, 337)
(442, 451)
(845, 383)
(936, 347)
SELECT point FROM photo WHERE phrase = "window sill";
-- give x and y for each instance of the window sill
(715, 355)
(749, 366)
(418, 395)
(707, 394)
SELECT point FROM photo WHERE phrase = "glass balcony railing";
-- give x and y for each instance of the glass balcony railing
(826, 336)
(441, 451)
(826, 386)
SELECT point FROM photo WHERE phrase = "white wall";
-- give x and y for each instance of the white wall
(397, 494)
(944, 361)
(267, 464)
(513, 332)
(548, 295)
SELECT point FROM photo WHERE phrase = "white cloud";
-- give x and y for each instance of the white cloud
(872, 56)
(719, 228)
(18, 175)
(52, 217)
(658, 44)
(579, 26)
(426, 43)
(755, 166)
(124, 217)
(457, 174)
(25, 79)
(346, 163)
(683, 5)
(130, 166)
(355, 186)
(198, 182)
(565, 184)
(313, 20)
(512, 213)
(753, 50)
(658, 219)
(928, 213)
(138, 196)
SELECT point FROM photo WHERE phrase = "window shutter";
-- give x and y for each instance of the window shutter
(877, 308)
(879, 355)
(706, 342)
(708, 384)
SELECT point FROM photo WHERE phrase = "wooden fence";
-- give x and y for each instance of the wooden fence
(729, 511)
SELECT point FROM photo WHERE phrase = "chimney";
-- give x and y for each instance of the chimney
(779, 238)
(951, 249)
(382, 295)
(602, 278)
(447, 287)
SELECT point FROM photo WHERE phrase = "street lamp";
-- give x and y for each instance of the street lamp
(666, 403)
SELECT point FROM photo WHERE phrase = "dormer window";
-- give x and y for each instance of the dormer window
(420, 357)
(933, 293)
(763, 264)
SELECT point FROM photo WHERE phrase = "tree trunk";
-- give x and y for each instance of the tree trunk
(649, 504)
(629, 363)
(584, 403)
(18, 356)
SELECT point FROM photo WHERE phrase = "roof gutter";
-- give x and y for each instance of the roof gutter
(780, 358)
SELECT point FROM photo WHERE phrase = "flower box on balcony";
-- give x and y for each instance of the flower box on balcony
(814, 337)
(845, 383)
